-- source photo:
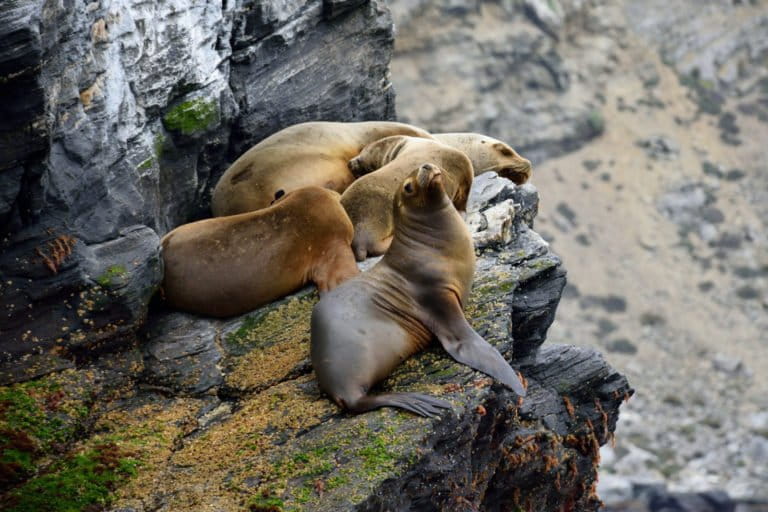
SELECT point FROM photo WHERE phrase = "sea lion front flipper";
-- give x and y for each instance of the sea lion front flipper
(460, 340)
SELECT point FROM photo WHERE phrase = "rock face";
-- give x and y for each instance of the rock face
(117, 119)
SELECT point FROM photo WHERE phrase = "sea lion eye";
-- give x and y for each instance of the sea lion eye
(280, 193)
(408, 188)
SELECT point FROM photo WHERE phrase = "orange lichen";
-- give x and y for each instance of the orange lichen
(451, 387)
(523, 380)
(573, 470)
(569, 407)
(58, 250)
(604, 417)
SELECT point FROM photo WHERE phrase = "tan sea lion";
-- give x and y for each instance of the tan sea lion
(489, 154)
(368, 200)
(302, 155)
(230, 265)
(370, 324)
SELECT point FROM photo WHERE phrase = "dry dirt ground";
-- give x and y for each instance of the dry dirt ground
(672, 311)
(660, 219)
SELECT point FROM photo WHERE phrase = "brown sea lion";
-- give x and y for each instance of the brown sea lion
(370, 324)
(302, 155)
(230, 265)
(368, 200)
(489, 154)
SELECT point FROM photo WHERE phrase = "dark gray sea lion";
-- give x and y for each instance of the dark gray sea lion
(370, 324)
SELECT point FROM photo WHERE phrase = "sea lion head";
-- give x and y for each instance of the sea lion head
(423, 191)
(377, 154)
(510, 164)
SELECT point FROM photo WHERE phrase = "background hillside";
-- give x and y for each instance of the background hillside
(647, 123)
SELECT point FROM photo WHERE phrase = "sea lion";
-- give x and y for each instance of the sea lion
(489, 154)
(302, 155)
(370, 324)
(230, 265)
(368, 200)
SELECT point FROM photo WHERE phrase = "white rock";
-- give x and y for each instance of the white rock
(607, 456)
(498, 225)
(758, 422)
(614, 489)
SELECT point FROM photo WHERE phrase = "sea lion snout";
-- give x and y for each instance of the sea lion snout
(519, 172)
(354, 167)
(427, 174)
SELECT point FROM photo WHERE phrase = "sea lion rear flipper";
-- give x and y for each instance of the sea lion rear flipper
(460, 340)
(418, 403)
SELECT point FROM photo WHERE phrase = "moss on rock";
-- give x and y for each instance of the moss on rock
(269, 345)
(192, 116)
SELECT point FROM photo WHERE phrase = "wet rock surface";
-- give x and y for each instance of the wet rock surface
(117, 119)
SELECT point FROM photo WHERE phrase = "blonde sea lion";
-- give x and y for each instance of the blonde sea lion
(230, 265)
(302, 155)
(368, 201)
(370, 324)
(489, 154)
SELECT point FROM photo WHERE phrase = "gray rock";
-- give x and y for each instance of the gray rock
(117, 116)
(487, 190)
(660, 147)
(614, 489)
(690, 205)
(498, 226)
(758, 422)
(181, 354)
(729, 365)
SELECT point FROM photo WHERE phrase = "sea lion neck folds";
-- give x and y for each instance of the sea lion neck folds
(367, 326)
(368, 201)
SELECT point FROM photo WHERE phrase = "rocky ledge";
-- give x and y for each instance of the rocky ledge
(118, 118)
(227, 415)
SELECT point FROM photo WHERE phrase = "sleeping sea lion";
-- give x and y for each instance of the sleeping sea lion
(302, 155)
(370, 324)
(368, 200)
(489, 154)
(226, 266)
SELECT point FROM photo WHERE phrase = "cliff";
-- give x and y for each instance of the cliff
(117, 119)
(122, 116)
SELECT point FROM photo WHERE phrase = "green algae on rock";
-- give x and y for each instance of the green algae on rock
(192, 116)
